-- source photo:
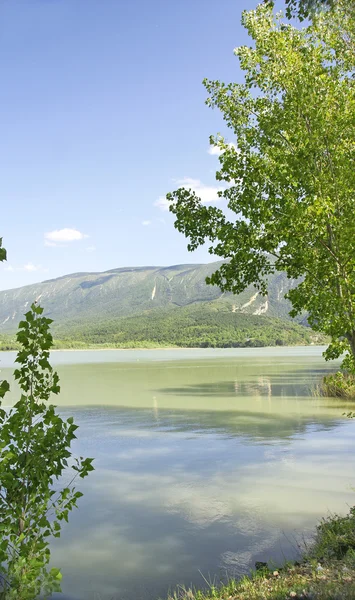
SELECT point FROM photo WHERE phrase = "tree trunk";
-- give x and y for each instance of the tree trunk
(351, 338)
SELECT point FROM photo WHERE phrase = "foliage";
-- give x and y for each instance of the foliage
(307, 8)
(304, 9)
(290, 174)
(2, 252)
(338, 385)
(213, 324)
(34, 454)
(8, 342)
(335, 537)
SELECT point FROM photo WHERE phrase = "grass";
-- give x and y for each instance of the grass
(326, 572)
(338, 385)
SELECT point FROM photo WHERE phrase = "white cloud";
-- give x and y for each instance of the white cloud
(63, 235)
(162, 203)
(146, 223)
(216, 151)
(207, 193)
(29, 267)
(90, 249)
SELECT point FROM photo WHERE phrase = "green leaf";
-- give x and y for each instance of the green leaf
(4, 388)
(56, 574)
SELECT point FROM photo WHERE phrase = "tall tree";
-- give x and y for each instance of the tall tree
(291, 173)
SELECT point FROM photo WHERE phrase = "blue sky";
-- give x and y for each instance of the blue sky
(102, 113)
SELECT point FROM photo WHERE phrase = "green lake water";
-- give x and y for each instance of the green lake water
(206, 461)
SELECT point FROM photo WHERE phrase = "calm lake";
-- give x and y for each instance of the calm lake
(206, 461)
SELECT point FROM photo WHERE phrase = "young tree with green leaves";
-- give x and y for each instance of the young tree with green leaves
(290, 177)
(34, 456)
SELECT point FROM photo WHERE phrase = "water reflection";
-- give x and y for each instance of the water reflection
(201, 466)
(167, 502)
(283, 385)
(254, 425)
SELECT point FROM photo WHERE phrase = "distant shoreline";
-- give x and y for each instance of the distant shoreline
(181, 348)
(142, 348)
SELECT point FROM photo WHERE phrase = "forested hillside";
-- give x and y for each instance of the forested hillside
(211, 324)
(155, 306)
(87, 298)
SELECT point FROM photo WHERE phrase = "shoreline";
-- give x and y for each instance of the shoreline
(169, 348)
(182, 348)
(326, 571)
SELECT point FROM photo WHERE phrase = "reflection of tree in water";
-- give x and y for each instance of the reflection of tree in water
(273, 405)
(281, 385)
(259, 388)
(156, 409)
(264, 416)
(253, 426)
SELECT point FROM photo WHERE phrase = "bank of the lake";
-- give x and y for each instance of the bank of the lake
(289, 354)
(329, 580)
(325, 571)
(10, 345)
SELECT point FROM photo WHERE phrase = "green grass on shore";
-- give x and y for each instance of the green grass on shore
(326, 572)
(338, 385)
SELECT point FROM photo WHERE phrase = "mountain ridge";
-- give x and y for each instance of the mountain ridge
(153, 296)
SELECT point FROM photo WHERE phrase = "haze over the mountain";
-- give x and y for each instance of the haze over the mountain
(81, 298)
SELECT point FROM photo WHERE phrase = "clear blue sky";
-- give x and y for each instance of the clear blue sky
(101, 112)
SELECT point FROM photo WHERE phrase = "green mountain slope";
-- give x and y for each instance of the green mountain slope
(81, 297)
(208, 324)
(156, 305)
